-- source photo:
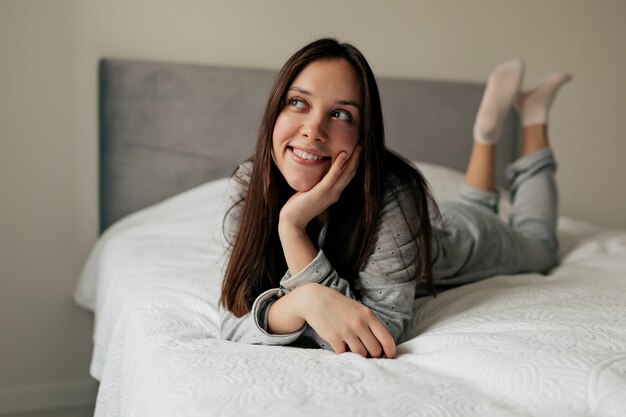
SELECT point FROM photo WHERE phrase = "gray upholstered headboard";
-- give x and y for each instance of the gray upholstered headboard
(165, 128)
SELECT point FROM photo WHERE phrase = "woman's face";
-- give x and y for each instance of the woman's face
(320, 119)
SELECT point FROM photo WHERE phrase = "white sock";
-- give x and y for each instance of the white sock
(534, 105)
(502, 88)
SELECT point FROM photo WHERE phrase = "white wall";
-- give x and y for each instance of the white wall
(48, 121)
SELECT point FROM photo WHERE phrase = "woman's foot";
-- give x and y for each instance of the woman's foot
(502, 89)
(534, 105)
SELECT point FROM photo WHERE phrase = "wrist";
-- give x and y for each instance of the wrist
(289, 229)
(283, 317)
(303, 299)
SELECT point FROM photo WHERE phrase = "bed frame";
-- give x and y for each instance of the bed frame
(166, 127)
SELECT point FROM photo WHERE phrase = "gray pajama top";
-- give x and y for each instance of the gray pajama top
(387, 284)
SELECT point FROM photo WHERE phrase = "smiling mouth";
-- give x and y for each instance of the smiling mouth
(307, 156)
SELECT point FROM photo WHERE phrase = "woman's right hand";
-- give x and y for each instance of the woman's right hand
(344, 323)
(303, 206)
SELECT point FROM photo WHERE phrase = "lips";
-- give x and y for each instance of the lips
(306, 157)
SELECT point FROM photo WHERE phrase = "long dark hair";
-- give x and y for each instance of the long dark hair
(257, 262)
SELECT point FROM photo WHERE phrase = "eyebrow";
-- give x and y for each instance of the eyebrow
(308, 93)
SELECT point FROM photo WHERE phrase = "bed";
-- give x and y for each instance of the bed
(170, 134)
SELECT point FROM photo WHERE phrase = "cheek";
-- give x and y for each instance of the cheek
(283, 128)
(346, 142)
(283, 131)
(277, 134)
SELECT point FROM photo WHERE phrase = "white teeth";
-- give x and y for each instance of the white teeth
(306, 155)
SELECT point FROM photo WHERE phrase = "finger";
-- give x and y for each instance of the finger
(384, 337)
(355, 345)
(344, 169)
(371, 343)
(331, 185)
(338, 345)
(349, 169)
(356, 156)
(336, 169)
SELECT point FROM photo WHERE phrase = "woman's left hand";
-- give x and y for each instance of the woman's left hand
(344, 323)
(304, 206)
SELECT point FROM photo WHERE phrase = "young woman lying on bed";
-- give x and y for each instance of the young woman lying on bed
(330, 232)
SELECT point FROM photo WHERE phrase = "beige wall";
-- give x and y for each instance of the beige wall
(48, 131)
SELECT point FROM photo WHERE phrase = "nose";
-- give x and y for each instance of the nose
(314, 127)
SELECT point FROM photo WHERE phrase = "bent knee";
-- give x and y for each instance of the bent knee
(549, 257)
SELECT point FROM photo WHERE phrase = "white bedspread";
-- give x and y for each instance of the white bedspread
(526, 345)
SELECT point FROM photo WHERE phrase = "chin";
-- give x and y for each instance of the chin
(301, 185)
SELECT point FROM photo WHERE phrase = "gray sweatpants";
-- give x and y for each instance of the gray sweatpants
(472, 242)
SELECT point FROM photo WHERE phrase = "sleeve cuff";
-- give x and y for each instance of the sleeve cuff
(260, 310)
(318, 269)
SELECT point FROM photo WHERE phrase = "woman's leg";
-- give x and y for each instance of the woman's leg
(535, 104)
(472, 244)
(502, 87)
(501, 91)
(480, 172)
(534, 194)
(534, 107)
(534, 138)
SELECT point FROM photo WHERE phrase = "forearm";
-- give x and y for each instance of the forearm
(252, 327)
(298, 249)
(284, 316)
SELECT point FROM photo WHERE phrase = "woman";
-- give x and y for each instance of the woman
(330, 231)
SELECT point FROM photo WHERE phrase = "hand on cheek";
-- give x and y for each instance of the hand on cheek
(303, 206)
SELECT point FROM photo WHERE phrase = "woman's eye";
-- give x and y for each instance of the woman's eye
(341, 115)
(297, 103)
